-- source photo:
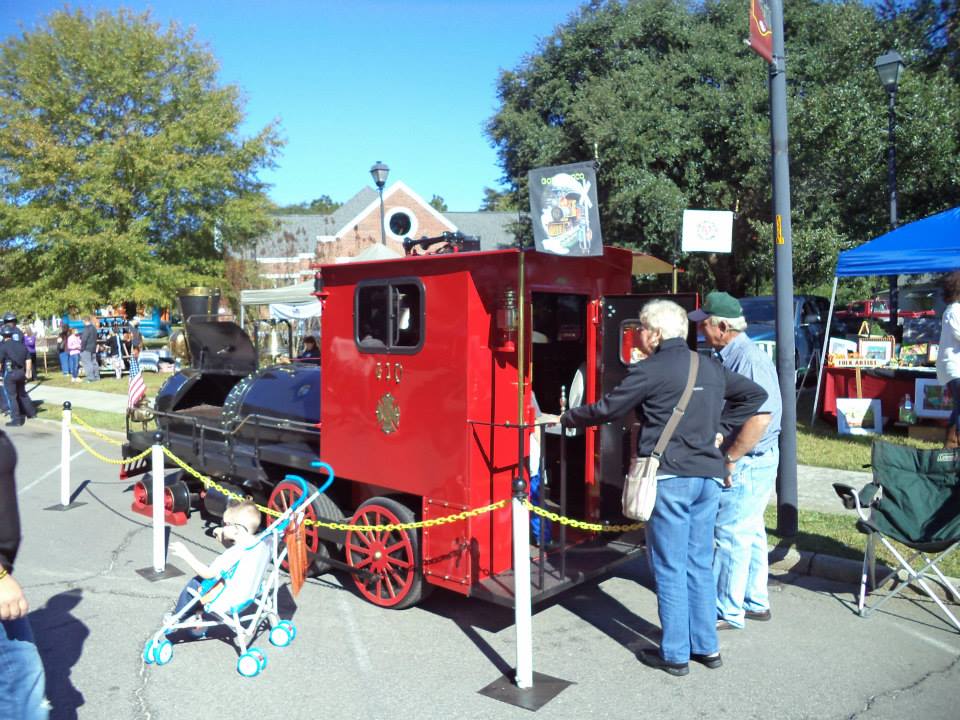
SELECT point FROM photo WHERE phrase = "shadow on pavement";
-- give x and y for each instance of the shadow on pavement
(60, 637)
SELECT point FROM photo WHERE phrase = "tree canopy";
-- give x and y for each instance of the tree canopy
(122, 172)
(677, 108)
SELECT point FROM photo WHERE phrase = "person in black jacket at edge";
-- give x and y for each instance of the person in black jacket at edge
(13, 360)
(692, 468)
(21, 671)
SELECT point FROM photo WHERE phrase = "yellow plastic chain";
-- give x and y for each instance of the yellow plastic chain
(104, 458)
(432, 522)
(93, 430)
(579, 524)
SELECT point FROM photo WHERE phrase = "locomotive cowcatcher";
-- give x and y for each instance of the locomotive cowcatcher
(422, 409)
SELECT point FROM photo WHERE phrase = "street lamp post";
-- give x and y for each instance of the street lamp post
(889, 67)
(379, 172)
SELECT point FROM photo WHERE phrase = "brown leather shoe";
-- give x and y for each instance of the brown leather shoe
(724, 625)
(762, 616)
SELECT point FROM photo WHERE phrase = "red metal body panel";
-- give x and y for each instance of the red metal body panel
(449, 449)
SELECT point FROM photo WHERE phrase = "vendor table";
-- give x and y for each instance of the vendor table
(887, 384)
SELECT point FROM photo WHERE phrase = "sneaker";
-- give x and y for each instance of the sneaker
(762, 616)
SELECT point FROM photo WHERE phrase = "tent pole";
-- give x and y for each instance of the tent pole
(823, 354)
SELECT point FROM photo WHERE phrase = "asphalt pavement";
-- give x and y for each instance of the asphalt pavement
(92, 612)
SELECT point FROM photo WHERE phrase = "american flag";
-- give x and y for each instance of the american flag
(136, 389)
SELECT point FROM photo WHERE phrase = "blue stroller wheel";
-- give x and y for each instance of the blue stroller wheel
(249, 664)
(283, 634)
(148, 652)
(163, 653)
(258, 653)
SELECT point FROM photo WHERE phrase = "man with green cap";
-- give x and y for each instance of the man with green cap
(740, 556)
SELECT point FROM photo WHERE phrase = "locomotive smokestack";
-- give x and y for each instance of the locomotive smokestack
(194, 302)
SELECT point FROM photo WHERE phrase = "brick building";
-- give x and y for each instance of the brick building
(284, 255)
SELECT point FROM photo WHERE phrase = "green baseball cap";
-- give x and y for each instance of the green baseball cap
(717, 303)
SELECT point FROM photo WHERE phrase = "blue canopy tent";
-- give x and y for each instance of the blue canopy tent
(925, 246)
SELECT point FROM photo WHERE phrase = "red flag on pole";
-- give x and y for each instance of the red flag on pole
(761, 35)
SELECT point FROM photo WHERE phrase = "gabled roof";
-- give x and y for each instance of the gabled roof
(396, 187)
(495, 229)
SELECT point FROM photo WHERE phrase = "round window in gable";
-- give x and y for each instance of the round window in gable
(400, 224)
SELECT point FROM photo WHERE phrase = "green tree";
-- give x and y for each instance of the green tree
(438, 204)
(322, 205)
(497, 201)
(123, 172)
(678, 109)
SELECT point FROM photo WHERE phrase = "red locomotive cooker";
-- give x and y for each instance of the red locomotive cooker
(421, 415)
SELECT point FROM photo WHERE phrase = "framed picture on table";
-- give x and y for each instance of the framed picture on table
(876, 348)
(933, 400)
(859, 416)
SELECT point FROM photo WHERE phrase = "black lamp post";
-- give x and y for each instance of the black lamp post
(379, 172)
(889, 66)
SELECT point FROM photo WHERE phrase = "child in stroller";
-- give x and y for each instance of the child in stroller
(239, 588)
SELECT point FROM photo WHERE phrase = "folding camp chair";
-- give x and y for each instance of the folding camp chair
(914, 499)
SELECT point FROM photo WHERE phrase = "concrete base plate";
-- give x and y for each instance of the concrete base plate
(148, 573)
(545, 689)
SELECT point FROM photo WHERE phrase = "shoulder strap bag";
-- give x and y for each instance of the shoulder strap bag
(640, 485)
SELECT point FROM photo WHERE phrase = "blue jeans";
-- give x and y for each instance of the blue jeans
(65, 363)
(740, 559)
(21, 673)
(681, 550)
(75, 365)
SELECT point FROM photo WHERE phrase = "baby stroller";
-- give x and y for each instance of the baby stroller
(244, 596)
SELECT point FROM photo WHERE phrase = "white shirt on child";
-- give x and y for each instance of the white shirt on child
(251, 558)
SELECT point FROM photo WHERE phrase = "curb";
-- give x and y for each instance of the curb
(843, 570)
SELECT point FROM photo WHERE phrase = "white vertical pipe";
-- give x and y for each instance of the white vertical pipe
(522, 611)
(158, 501)
(65, 455)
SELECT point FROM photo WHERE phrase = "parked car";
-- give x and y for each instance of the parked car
(809, 322)
(878, 309)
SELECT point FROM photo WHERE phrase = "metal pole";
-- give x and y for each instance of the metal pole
(65, 455)
(892, 184)
(523, 613)
(383, 227)
(159, 528)
(787, 502)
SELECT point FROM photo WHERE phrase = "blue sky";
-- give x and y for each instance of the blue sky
(408, 82)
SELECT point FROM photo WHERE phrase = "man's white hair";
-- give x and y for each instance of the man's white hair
(667, 317)
(737, 324)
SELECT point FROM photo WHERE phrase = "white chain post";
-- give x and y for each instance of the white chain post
(65, 455)
(159, 526)
(523, 614)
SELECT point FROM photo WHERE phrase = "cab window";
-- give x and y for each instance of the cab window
(388, 316)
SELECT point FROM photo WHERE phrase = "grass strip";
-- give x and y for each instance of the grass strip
(838, 536)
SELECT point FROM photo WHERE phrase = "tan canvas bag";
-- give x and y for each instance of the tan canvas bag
(640, 485)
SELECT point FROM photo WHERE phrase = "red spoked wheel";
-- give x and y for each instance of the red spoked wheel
(392, 556)
(284, 495)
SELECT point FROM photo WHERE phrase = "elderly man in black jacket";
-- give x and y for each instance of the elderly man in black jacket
(680, 531)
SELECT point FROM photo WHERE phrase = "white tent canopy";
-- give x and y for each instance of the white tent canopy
(290, 295)
(290, 302)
